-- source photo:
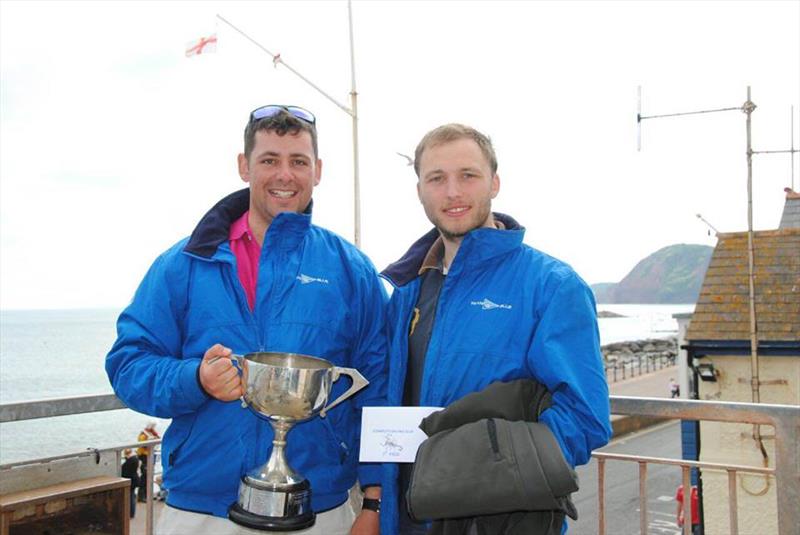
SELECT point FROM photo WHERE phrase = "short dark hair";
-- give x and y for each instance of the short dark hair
(453, 132)
(281, 123)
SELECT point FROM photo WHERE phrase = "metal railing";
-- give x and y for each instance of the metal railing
(48, 408)
(637, 365)
(686, 467)
(784, 419)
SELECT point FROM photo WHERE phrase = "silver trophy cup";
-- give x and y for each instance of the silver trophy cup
(284, 389)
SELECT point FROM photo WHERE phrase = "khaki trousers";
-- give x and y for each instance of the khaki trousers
(173, 521)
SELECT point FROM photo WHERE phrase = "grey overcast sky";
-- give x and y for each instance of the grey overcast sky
(113, 144)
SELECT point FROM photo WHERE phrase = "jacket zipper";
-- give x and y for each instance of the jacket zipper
(341, 446)
(255, 314)
(491, 427)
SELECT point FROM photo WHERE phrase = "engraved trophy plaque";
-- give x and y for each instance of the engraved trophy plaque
(284, 389)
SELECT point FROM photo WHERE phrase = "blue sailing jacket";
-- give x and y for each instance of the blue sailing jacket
(506, 311)
(316, 295)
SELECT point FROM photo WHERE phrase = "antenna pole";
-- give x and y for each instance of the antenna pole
(791, 128)
(754, 383)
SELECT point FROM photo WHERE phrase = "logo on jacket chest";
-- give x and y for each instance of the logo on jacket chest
(305, 279)
(486, 304)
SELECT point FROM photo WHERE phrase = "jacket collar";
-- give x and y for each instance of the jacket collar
(478, 246)
(213, 229)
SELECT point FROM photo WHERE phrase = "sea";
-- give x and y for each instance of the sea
(61, 353)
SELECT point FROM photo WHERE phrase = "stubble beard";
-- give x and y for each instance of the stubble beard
(452, 236)
(457, 236)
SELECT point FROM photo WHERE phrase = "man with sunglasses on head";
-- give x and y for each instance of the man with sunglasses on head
(474, 306)
(255, 275)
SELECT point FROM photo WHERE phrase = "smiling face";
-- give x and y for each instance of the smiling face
(456, 187)
(282, 172)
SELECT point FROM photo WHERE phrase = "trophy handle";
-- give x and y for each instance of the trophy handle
(359, 382)
(239, 362)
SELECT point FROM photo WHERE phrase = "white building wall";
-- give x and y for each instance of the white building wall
(734, 443)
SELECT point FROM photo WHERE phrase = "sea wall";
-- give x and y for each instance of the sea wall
(652, 348)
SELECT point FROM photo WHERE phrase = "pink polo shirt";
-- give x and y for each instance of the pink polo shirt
(248, 253)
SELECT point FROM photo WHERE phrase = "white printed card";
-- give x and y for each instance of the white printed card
(392, 434)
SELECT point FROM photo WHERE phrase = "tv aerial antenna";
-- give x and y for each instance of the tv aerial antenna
(748, 108)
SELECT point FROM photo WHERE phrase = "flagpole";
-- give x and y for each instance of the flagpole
(354, 115)
(351, 111)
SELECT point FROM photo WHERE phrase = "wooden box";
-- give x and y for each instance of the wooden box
(94, 506)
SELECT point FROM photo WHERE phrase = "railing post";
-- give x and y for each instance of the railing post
(643, 498)
(601, 495)
(151, 468)
(687, 498)
(787, 464)
(732, 503)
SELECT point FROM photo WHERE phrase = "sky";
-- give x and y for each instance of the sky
(113, 143)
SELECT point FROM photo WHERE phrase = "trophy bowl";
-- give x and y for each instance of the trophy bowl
(284, 389)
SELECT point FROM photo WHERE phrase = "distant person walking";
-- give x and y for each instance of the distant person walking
(148, 433)
(695, 509)
(674, 388)
(130, 469)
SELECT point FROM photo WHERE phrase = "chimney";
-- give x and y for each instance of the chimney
(791, 210)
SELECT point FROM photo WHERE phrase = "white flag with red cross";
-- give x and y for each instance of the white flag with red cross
(204, 45)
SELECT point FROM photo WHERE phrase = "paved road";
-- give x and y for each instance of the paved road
(622, 486)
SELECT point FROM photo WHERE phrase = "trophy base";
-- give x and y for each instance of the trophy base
(281, 508)
(270, 523)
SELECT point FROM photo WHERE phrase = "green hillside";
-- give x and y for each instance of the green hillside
(673, 274)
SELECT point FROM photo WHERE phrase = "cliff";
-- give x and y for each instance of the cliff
(671, 275)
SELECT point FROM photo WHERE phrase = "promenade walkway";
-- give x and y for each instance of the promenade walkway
(651, 385)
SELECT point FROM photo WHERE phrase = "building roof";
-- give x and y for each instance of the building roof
(722, 310)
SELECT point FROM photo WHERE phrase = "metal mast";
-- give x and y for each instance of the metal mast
(352, 111)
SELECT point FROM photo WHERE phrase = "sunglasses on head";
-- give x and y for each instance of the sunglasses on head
(272, 110)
